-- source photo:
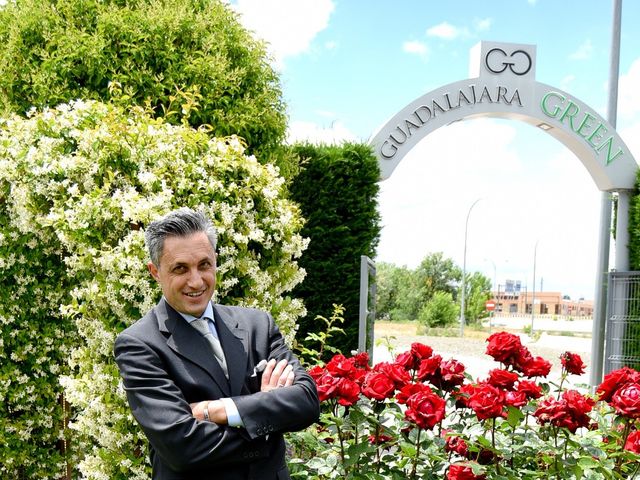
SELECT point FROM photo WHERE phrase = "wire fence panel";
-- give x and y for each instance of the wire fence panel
(622, 347)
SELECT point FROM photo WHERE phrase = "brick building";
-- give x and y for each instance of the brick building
(518, 302)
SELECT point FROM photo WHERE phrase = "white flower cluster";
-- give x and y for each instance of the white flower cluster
(78, 184)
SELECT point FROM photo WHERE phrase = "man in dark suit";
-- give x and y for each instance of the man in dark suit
(209, 418)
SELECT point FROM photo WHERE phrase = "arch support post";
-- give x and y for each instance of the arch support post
(622, 231)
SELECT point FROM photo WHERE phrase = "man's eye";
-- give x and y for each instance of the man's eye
(179, 269)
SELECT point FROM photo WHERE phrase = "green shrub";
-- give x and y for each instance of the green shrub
(190, 60)
(439, 311)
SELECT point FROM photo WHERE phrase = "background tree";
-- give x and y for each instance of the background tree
(439, 311)
(403, 292)
(189, 60)
(398, 295)
(438, 274)
(336, 189)
(478, 289)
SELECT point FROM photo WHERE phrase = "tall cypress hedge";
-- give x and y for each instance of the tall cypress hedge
(336, 190)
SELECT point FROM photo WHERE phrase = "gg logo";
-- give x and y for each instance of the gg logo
(497, 61)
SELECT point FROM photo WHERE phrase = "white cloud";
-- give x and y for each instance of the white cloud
(482, 24)
(628, 98)
(445, 31)
(311, 132)
(584, 51)
(288, 26)
(416, 47)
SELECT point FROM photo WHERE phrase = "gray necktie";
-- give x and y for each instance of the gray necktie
(202, 325)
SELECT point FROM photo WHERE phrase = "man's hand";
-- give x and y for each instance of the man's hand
(276, 375)
(217, 413)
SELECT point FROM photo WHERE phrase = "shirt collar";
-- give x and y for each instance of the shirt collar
(208, 313)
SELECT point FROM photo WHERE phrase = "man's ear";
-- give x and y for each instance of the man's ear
(153, 270)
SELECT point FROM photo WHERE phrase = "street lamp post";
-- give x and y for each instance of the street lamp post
(464, 269)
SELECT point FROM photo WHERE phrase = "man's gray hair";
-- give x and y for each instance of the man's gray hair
(179, 223)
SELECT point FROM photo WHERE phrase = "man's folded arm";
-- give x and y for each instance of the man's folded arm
(284, 409)
(158, 405)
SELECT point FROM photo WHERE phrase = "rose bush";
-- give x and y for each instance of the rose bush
(420, 416)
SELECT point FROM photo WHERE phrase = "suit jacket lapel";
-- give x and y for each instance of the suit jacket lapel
(233, 339)
(188, 342)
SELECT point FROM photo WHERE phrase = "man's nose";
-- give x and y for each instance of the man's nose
(195, 279)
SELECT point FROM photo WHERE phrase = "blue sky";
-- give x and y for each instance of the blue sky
(348, 66)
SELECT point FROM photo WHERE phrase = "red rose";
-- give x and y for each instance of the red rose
(579, 405)
(633, 442)
(341, 366)
(515, 399)
(616, 379)
(451, 375)
(377, 386)
(407, 361)
(503, 346)
(316, 372)
(502, 378)
(529, 388)
(421, 350)
(348, 392)
(456, 444)
(429, 367)
(549, 410)
(462, 395)
(522, 357)
(569, 412)
(460, 471)
(626, 400)
(410, 389)
(572, 363)
(327, 386)
(536, 367)
(361, 360)
(487, 401)
(396, 373)
(425, 409)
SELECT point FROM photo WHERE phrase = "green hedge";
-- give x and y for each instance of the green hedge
(336, 190)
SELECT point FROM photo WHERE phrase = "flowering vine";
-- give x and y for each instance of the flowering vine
(78, 184)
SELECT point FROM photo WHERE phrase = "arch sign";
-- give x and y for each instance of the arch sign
(504, 86)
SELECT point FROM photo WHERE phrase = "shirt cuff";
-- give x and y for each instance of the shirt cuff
(233, 416)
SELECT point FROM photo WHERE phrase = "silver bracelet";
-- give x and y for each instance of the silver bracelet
(205, 411)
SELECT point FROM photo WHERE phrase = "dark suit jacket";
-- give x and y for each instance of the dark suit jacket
(166, 364)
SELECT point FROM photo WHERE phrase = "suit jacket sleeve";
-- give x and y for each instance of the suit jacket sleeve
(283, 409)
(166, 418)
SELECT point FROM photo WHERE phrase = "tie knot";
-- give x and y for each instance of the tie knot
(202, 325)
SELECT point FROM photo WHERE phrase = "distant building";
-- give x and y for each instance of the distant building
(512, 300)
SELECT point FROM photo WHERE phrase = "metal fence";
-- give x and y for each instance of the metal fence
(622, 346)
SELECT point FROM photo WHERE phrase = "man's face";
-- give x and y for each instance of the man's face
(187, 273)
